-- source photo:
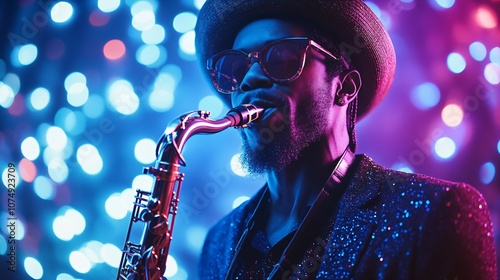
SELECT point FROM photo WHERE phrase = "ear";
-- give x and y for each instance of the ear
(348, 88)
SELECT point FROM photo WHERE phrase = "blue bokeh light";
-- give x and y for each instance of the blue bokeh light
(487, 173)
(61, 12)
(184, 22)
(108, 6)
(456, 63)
(478, 51)
(33, 268)
(425, 96)
(27, 54)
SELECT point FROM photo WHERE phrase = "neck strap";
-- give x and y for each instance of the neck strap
(318, 215)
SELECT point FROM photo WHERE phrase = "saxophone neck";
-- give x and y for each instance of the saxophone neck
(197, 122)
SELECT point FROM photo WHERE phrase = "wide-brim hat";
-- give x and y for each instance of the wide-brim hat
(351, 23)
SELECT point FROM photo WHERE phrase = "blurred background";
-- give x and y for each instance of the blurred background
(88, 87)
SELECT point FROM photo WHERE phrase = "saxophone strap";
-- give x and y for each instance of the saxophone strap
(318, 215)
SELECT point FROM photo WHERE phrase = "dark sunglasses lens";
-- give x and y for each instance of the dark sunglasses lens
(230, 70)
(283, 60)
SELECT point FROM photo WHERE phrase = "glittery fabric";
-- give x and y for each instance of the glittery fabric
(389, 225)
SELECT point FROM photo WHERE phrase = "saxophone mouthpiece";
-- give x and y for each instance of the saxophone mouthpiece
(244, 114)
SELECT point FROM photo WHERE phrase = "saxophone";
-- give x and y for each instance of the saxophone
(157, 209)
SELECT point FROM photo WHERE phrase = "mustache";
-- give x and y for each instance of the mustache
(264, 99)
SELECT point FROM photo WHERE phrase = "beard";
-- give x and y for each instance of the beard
(285, 136)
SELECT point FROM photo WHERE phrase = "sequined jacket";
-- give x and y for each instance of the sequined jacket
(390, 225)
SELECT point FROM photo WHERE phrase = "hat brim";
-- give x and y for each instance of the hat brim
(351, 23)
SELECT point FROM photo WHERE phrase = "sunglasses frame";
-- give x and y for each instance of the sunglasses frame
(253, 57)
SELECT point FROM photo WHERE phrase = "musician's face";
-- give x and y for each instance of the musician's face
(298, 113)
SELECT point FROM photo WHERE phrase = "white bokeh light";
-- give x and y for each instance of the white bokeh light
(74, 78)
(116, 206)
(456, 63)
(154, 35)
(44, 187)
(143, 182)
(108, 6)
(144, 20)
(79, 262)
(172, 267)
(89, 159)
(58, 170)
(56, 138)
(61, 12)
(39, 98)
(186, 43)
(6, 95)
(144, 151)
(184, 22)
(239, 200)
(30, 148)
(78, 94)
(27, 54)
(33, 268)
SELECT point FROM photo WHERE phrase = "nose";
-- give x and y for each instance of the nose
(255, 78)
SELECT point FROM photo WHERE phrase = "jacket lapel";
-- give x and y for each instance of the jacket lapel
(355, 222)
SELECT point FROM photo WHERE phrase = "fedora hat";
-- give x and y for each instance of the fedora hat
(350, 23)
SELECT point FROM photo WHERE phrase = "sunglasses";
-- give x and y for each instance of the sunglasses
(281, 60)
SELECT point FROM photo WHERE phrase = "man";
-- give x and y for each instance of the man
(316, 66)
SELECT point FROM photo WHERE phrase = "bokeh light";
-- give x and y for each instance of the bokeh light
(452, 115)
(486, 17)
(39, 98)
(478, 51)
(425, 96)
(68, 224)
(184, 22)
(114, 49)
(145, 151)
(30, 148)
(61, 12)
(89, 159)
(44, 188)
(108, 6)
(88, 87)
(495, 55)
(236, 166)
(33, 268)
(122, 98)
(154, 35)
(116, 206)
(456, 63)
(79, 262)
(487, 173)
(6, 95)
(445, 147)
(442, 4)
(27, 54)
(492, 73)
(239, 200)
(186, 43)
(27, 170)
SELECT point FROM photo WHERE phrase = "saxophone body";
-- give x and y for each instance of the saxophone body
(157, 209)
